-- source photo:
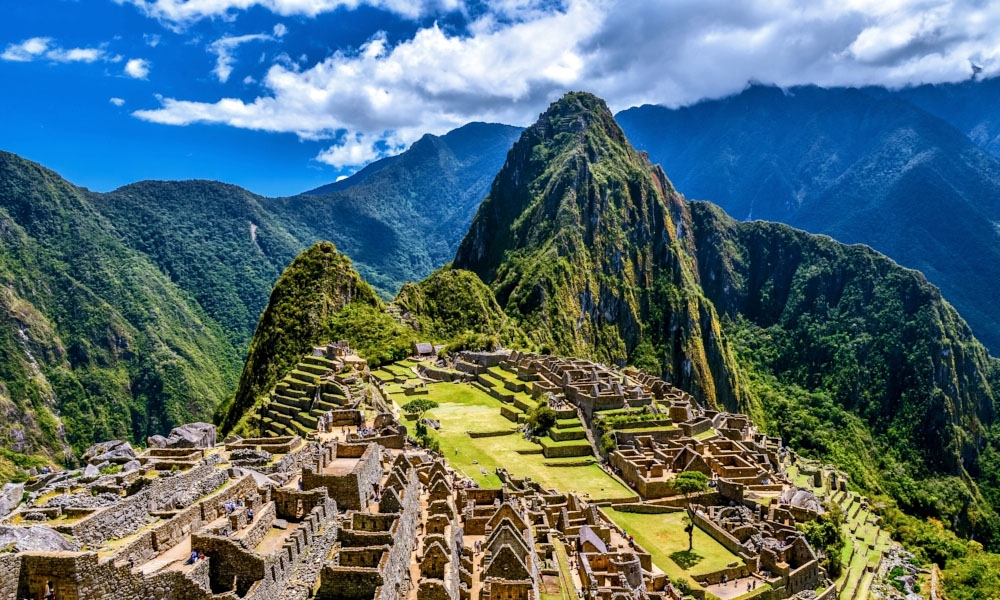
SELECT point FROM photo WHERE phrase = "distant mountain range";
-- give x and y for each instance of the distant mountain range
(129, 313)
(863, 166)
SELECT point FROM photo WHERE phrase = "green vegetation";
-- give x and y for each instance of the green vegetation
(540, 418)
(463, 408)
(664, 538)
(690, 482)
(826, 537)
(420, 405)
(92, 330)
(304, 310)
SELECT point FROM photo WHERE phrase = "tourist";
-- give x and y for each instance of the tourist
(201, 555)
(194, 556)
(250, 515)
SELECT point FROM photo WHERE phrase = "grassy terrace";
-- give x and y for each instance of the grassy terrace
(664, 538)
(464, 408)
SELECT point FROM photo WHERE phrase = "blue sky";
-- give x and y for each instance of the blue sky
(280, 96)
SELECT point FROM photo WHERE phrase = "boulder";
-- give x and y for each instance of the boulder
(10, 497)
(156, 441)
(90, 473)
(132, 465)
(192, 435)
(35, 538)
(115, 451)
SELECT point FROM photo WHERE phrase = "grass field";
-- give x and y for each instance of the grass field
(663, 536)
(463, 408)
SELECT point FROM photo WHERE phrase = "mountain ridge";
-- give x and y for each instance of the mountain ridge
(864, 169)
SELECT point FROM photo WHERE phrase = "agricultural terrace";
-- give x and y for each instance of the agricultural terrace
(466, 412)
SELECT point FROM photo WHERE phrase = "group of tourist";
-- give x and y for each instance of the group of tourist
(232, 505)
(196, 555)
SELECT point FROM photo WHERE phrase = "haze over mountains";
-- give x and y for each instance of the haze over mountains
(860, 167)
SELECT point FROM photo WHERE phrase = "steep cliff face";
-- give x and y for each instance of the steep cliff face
(876, 337)
(586, 245)
(317, 285)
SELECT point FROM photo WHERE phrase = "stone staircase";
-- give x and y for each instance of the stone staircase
(302, 396)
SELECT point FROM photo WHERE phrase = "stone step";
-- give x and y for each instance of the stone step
(314, 369)
(324, 406)
(301, 430)
(319, 361)
(306, 419)
(301, 402)
(280, 408)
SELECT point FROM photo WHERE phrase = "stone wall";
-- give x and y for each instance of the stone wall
(9, 567)
(260, 527)
(229, 564)
(116, 521)
(354, 490)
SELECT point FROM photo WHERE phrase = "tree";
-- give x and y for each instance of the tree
(419, 406)
(541, 418)
(825, 535)
(690, 482)
(689, 529)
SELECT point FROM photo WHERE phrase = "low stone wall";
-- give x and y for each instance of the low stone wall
(485, 434)
(260, 527)
(647, 509)
(139, 551)
(717, 533)
(174, 531)
(695, 427)
(119, 520)
(583, 449)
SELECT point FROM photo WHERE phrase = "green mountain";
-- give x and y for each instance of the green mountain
(128, 312)
(851, 357)
(402, 217)
(95, 342)
(587, 246)
(860, 166)
(319, 283)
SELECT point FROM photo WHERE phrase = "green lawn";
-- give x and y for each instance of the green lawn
(463, 408)
(663, 536)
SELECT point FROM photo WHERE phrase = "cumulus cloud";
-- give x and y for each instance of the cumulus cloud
(184, 12)
(137, 68)
(223, 49)
(512, 60)
(117, 101)
(43, 48)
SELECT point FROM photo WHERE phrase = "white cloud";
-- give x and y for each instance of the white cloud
(517, 57)
(152, 39)
(184, 12)
(137, 68)
(117, 101)
(223, 49)
(43, 48)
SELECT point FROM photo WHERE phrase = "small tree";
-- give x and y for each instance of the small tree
(691, 482)
(419, 406)
(541, 418)
(689, 529)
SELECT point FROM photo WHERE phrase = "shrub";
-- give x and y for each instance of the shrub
(541, 418)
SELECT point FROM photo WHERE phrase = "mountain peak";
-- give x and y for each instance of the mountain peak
(576, 234)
